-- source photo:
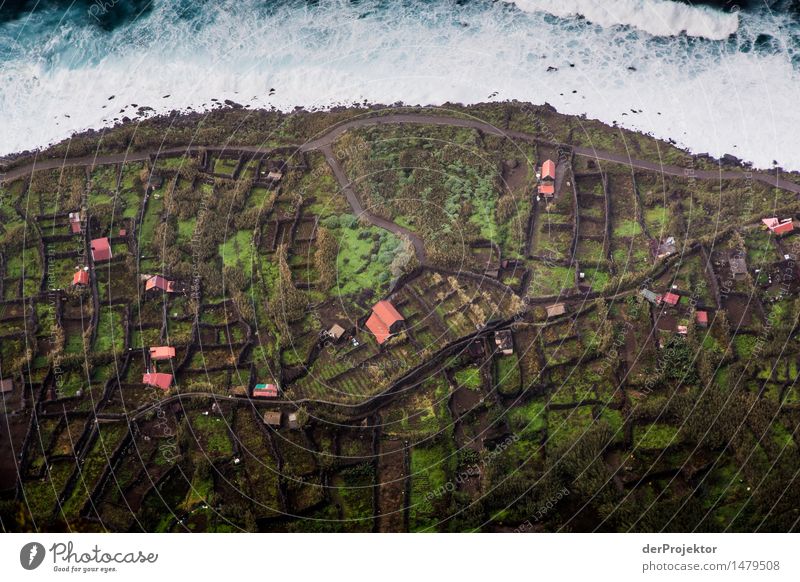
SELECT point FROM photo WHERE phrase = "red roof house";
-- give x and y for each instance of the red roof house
(547, 186)
(549, 170)
(80, 277)
(101, 249)
(702, 318)
(158, 380)
(778, 227)
(265, 391)
(671, 298)
(162, 353)
(159, 282)
(547, 189)
(384, 321)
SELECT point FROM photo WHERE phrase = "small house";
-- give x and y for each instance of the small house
(701, 317)
(504, 340)
(336, 332)
(274, 176)
(75, 222)
(162, 353)
(778, 227)
(265, 391)
(101, 249)
(6, 386)
(683, 330)
(671, 299)
(81, 277)
(384, 321)
(158, 380)
(555, 310)
(272, 417)
(160, 283)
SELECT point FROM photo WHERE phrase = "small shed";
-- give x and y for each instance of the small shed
(666, 248)
(272, 417)
(336, 332)
(162, 353)
(738, 265)
(161, 283)
(650, 296)
(504, 340)
(81, 277)
(555, 310)
(75, 222)
(294, 422)
(6, 386)
(701, 317)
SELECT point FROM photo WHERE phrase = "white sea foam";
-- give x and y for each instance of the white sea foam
(709, 96)
(657, 17)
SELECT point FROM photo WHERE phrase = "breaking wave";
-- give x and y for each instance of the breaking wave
(656, 17)
(61, 71)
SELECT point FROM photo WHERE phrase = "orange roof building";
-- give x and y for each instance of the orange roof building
(547, 184)
(80, 277)
(671, 298)
(162, 353)
(265, 391)
(384, 321)
(159, 282)
(702, 318)
(158, 380)
(101, 249)
(777, 226)
(549, 170)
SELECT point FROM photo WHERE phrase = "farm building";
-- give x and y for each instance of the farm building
(81, 277)
(384, 321)
(504, 340)
(737, 265)
(701, 317)
(683, 330)
(162, 353)
(547, 185)
(6, 386)
(778, 227)
(272, 417)
(159, 282)
(101, 249)
(671, 299)
(555, 310)
(158, 380)
(265, 391)
(75, 222)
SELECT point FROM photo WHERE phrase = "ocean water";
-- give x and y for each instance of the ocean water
(712, 79)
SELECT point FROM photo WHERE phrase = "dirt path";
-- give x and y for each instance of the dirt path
(334, 133)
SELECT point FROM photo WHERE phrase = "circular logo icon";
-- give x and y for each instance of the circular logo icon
(31, 555)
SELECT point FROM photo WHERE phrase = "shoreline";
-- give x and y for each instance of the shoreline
(169, 120)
